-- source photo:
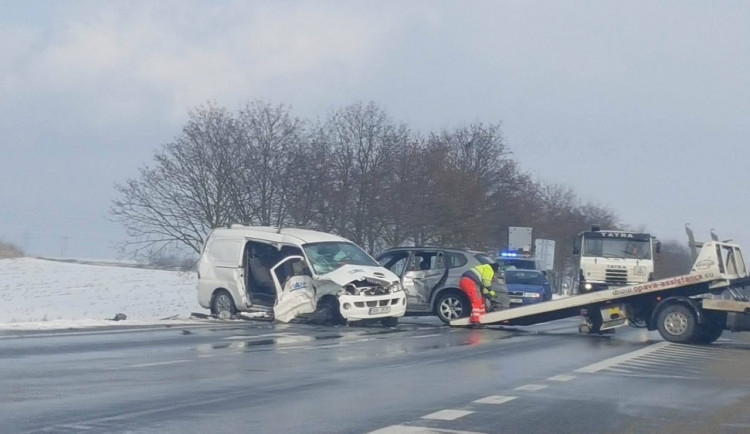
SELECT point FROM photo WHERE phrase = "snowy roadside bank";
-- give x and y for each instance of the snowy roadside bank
(42, 294)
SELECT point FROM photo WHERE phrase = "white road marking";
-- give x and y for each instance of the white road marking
(170, 362)
(679, 348)
(639, 362)
(405, 429)
(604, 364)
(619, 370)
(495, 399)
(673, 377)
(249, 337)
(77, 427)
(296, 339)
(447, 414)
(562, 378)
(663, 356)
(531, 387)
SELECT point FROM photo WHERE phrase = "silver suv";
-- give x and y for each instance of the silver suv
(430, 278)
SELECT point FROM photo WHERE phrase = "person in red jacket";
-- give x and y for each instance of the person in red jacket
(476, 283)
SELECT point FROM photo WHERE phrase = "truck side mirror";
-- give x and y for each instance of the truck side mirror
(576, 251)
(658, 247)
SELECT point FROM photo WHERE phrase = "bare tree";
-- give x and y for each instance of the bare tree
(358, 174)
(363, 141)
(265, 176)
(186, 192)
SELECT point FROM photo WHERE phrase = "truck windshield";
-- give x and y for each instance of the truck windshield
(328, 256)
(617, 248)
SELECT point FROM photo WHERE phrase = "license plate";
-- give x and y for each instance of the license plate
(379, 310)
(516, 300)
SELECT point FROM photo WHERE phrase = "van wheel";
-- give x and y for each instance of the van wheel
(328, 312)
(391, 321)
(677, 323)
(222, 305)
(452, 305)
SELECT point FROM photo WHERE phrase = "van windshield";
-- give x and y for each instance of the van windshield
(329, 256)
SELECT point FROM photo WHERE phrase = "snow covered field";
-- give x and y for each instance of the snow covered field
(45, 294)
(37, 294)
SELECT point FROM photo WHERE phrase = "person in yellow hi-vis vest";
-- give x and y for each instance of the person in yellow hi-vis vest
(476, 283)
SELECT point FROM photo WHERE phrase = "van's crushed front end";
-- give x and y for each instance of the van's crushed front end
(369, 298)
(366, 292)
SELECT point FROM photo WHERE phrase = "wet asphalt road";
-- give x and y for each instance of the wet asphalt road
(419, 377)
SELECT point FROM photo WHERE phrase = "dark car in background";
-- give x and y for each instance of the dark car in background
(527, 287)
(430, 278)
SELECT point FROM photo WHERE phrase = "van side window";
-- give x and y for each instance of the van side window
(226, 253)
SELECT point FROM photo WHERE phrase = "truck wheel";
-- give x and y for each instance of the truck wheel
(222, 305)
(709, 332)
(677, 323)
(452, 305)
(391, 321)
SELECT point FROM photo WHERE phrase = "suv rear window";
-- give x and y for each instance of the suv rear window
(456, 260)
(484, 259)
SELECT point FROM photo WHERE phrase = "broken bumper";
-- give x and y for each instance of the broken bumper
(359, 307)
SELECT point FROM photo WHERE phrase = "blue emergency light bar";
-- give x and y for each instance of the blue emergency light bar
(514, 254)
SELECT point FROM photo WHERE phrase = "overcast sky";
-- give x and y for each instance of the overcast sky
(641, 106)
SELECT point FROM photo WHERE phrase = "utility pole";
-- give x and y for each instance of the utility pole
(63, 245)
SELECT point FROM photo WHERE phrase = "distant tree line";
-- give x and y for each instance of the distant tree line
(357, 173)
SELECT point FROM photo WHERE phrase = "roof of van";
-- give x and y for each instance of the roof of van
(271, 233)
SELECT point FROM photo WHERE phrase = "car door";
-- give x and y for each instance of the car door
(426, 270)
(226, 271)
(294, 288)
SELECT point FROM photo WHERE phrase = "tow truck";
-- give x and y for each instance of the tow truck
(690, 308)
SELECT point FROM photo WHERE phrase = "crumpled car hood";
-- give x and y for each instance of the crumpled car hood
(349, 273)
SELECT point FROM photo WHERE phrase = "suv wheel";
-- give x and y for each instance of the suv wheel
(452, 305)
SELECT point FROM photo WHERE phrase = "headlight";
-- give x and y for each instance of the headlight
(532, 294)
(395, 287)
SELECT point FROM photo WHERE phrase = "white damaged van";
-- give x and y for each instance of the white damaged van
(295, 273)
